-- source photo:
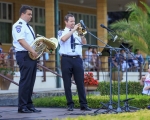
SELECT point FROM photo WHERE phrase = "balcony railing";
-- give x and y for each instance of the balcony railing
(9, 61)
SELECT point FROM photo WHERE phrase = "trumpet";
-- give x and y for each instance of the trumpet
(81, 31)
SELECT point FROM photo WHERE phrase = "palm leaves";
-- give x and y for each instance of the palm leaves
(137, 28)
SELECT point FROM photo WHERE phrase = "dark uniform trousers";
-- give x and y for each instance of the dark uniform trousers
(28, 69)
(73, 66)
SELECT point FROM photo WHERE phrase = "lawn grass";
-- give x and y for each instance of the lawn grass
(139, 115)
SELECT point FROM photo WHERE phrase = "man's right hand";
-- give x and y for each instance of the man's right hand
(76, 26)
(34, 54)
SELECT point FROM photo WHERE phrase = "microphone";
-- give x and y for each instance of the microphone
(82, 23)
(115, 38)
(109, 30)
(103, 26)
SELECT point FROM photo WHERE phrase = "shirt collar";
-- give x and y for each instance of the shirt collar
(23, 21)
(67, 28)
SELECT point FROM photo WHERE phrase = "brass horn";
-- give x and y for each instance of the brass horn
(42, 44)
(81, 31)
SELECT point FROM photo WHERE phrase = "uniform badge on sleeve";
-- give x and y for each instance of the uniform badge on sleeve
(18, 28)
(59, 33)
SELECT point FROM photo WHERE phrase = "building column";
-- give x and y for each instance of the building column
(50, 27)
(101, 32)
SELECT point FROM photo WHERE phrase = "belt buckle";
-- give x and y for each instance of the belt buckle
(74, 57)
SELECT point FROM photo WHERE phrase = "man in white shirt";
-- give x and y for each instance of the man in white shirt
(71, 62)
(23, 36)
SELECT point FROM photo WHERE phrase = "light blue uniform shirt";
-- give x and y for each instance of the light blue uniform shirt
(20, 30)
(65, 47)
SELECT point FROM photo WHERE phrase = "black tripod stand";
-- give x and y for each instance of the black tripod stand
(109, 105)
(126, 106)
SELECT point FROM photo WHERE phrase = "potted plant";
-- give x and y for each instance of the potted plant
(115, 74)
(4, 84)
(89, 82)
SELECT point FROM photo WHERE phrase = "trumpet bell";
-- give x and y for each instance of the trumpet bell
(81, 31)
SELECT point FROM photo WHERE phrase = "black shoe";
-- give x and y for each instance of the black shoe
(34, 110)
(70, 108)
(85, 108)
(24, 110)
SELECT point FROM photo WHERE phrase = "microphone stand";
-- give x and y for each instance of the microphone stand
(109, 105)
(126, 106)
(118, 70)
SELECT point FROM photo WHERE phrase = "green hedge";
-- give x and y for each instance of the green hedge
(134, 91)
(133, 88)
(140, 101)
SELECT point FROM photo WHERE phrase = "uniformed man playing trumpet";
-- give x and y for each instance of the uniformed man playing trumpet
(71, 61)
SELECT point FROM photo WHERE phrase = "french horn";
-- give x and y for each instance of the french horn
(42, 44)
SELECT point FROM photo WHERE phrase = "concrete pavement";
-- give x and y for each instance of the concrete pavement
(11, 113)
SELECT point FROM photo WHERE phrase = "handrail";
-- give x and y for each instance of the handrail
(38, 65)
(51, 71)
(7, 78)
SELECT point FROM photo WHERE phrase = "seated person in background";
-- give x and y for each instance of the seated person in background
(95, 59)
(88, 59)
(120, 60)
(140, 58)
(130, 58)
(145, 80)
(1, 54)
(147, 59)
(12, 56)
(124, 64)
(116, 59)
(1, 50)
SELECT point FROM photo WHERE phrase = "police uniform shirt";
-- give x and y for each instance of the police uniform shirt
(65, 47)
(20, 30)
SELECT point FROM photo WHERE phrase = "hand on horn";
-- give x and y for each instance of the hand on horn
(34, 54)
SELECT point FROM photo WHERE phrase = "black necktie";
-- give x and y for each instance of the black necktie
(30, 30)
(72, 41)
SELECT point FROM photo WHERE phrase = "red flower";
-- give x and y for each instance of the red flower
(89, 80)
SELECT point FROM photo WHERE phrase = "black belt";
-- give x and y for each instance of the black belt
(71, 56)
(22, 51)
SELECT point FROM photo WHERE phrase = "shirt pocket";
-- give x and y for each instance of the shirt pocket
(28, 37)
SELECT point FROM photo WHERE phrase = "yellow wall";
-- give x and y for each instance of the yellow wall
(65, 8)
(16, 6)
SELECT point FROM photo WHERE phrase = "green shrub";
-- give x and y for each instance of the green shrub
(140, 101)
(133, 88)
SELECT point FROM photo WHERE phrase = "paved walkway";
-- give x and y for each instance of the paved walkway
(11, 113)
